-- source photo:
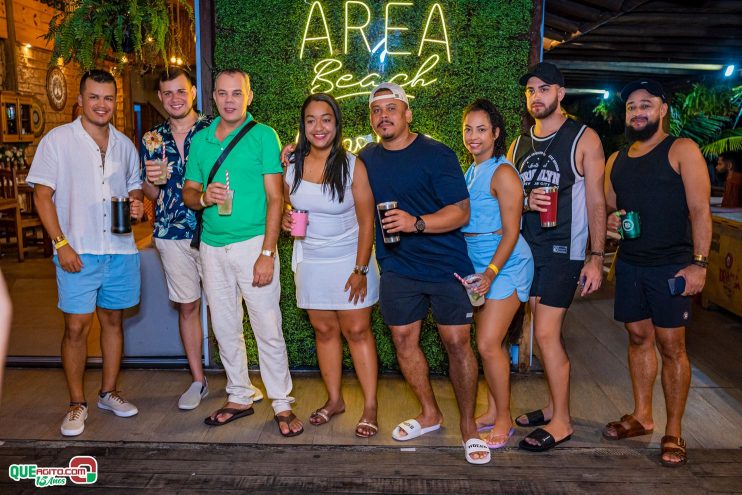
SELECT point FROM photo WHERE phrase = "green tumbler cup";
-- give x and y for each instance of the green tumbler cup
(631, 226)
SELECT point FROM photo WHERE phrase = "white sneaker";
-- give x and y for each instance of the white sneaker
(257, 395)
(119, 406)
(191, 398)
(74, 422)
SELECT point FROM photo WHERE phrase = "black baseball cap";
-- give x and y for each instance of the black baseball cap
(652, 87)
(545, 71)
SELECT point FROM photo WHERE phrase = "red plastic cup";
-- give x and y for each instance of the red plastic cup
(549, 217)
(300, 220)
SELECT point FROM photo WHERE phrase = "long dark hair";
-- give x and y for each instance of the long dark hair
(496, 121)
(337, 167)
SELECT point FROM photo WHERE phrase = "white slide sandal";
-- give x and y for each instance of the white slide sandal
(413, 429)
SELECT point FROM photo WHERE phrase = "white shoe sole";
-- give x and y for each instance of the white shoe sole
(189, 407)
(120, 414)
(74, 433)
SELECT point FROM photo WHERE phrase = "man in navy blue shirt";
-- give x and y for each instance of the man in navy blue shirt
(417, 273)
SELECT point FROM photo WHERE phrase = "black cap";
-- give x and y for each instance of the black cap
(545, 71)
(652, 87)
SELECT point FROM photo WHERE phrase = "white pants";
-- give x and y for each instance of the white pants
(227, 279)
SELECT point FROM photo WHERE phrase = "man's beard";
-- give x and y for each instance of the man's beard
(548, 110)
(633, 135)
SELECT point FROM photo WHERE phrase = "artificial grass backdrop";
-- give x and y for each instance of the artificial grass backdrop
(488, 45)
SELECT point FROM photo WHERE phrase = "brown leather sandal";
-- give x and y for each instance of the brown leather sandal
(635, 428)
(287, 421)
(678, 450)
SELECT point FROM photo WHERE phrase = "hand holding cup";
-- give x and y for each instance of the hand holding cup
(287, 220)
(614, 220)
(136, 209)
(157, 171)
(215, 193)
(538, 200)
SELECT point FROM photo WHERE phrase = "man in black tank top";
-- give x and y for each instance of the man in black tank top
(665, 180)
(558, 152)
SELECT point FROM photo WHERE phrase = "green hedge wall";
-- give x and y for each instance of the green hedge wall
(488, 42)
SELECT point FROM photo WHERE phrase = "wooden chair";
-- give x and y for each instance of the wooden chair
(19, 214)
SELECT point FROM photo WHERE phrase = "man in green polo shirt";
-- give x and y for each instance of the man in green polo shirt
(238, 250)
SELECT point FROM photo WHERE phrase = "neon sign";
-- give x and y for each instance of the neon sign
(329, 75)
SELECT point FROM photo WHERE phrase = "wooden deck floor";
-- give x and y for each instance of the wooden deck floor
(263, 469)
(169, 450)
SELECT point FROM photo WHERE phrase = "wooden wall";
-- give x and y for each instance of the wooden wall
(31, 21)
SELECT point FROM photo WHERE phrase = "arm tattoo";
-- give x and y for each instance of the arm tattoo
(463, 204)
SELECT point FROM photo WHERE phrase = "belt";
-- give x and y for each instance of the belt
(475, 234)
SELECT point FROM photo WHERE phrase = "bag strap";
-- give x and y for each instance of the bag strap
(226, 151)
(544, 157)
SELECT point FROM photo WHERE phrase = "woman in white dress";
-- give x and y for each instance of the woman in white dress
(337, 279)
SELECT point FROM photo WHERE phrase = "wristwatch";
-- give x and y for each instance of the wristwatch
(360, 269)
(419, 224)
(268, 252)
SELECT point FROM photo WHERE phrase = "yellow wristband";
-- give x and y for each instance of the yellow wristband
(494, 268)
(60, 244)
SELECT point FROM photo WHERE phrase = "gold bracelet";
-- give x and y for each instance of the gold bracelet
(494, 268)
(60, 244)
(201, 200)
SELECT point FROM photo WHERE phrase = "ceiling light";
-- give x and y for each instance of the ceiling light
(729, 71)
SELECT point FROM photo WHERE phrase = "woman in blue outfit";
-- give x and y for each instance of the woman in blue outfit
(499, 253)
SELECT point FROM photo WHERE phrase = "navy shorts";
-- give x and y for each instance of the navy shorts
(555, 281)
(642, 293)
(404, 300)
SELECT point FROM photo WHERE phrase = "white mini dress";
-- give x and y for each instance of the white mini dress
(323, 260)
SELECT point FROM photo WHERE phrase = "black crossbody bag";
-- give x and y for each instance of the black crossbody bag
(196, 241)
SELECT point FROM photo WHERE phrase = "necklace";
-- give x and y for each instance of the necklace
(533, 140)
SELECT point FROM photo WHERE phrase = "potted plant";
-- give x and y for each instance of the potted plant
(87, 31)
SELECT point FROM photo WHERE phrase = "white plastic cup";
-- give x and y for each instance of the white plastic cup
(225, 209)
(472, 283)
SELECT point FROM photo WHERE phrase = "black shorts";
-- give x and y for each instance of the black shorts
(404, 300)
(555, 280)
(642, 293)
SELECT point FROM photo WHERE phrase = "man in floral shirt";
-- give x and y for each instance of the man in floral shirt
(174, 222)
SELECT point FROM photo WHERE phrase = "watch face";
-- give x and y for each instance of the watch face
(420, 225)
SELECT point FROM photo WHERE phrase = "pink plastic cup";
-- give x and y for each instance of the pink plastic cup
(300, 220)
(549, 217)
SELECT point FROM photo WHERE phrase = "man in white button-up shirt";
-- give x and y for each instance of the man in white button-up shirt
(77, 169)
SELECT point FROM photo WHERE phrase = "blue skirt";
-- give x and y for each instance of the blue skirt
(516, 275)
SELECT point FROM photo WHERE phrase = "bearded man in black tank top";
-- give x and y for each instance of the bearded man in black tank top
(664, 179)
(558, 152)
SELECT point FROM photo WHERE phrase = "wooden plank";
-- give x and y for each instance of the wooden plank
(569, 8)
(31, 22)
(721, 484)
(3, 21)
(561, 23)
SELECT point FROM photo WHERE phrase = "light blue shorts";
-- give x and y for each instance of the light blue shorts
(110, 281)
(516, 275)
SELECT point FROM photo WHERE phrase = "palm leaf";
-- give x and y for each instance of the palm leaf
(702, 128)
(730, 140)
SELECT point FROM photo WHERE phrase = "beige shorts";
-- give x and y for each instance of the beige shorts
(182, 269)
